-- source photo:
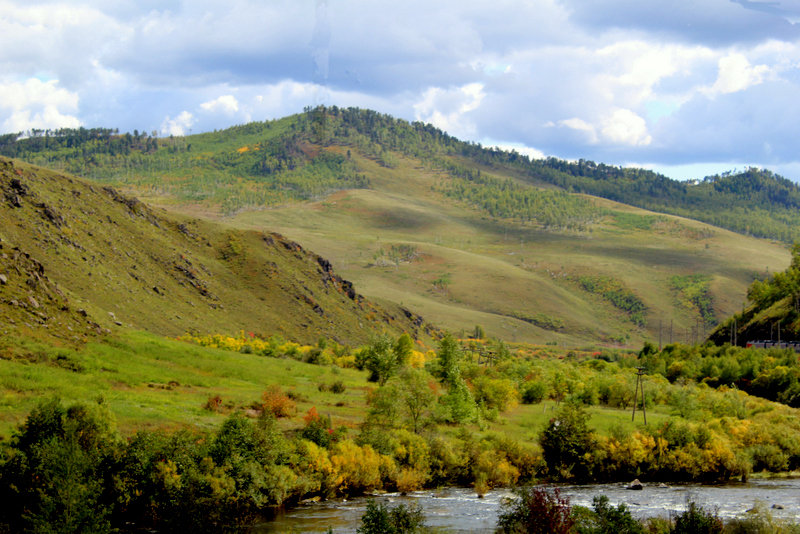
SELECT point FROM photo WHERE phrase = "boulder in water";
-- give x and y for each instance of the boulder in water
(635, 485)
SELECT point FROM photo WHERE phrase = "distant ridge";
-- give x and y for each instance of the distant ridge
(753, 202)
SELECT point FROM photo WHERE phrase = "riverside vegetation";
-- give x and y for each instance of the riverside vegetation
(541, 510)
(472, 412)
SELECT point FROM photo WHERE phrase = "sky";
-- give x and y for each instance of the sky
(687, 88)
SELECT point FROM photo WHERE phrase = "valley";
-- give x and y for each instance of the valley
(353, 315)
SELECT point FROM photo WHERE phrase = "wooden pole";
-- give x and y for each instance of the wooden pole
(639, 384)
(644, 404)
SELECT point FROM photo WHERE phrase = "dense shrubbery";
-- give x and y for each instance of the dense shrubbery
(401, 519)
(615, 292)
(568, 444)
(426, 426)
(536, 511)
(712, 436)
(773, 374)
(542, 510)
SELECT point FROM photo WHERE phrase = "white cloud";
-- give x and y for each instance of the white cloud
(609, 80)
(581, 126)
(736, 74)
(225, 104)
(632, 71)
(37, 104)
(180, 125)
(448, 108)
(624, 127)
(58, 38)
(619, 127)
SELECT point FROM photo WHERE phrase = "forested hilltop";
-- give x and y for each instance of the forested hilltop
(286, 153)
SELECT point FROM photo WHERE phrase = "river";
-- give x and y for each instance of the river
(459, 510)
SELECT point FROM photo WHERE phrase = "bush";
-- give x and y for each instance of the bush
(402, 519)
(495, 393)
(610, 520)
(318, 429)
(567, 444)
(356, 469)
(213, 404)
(57, 479)
(275, 402)
(534, 392)
(536, 511)
(696, 520)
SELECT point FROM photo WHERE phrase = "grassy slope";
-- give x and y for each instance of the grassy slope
(498, 268)
(150, 382)
(502, 267)
(154, 382)
(92, 259)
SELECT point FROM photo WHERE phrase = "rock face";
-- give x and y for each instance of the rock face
(635, 485)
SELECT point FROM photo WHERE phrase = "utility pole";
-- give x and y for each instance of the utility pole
(639, 385)
(659, 335)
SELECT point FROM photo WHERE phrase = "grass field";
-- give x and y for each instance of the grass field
(154, 382)
(501, 269)
(150, 381)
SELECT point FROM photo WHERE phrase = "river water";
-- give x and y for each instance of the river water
(459, 510)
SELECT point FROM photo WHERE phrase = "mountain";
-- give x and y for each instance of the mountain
(529, 250)
(273, 162)
(80, 259)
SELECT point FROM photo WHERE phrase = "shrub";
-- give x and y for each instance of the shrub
(696, 520)
(536, 511)
(57, 479)
(496, 393)
(567, 444)
(213, 404)
(492, 469)
(610, 520)
(275, 402)
(338, 387)
(356, 469)
(402, 519)
(317, 429)
(534, 392)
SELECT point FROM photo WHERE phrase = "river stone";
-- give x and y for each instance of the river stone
(635, 485)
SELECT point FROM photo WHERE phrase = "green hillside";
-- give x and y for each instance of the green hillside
(773, 310)
(80, 259)
(461, 234)
(273, 162)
